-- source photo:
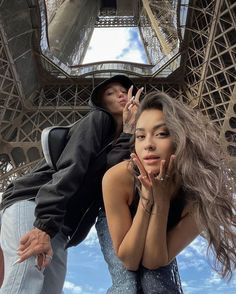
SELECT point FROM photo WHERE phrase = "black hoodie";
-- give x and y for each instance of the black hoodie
(68, 199)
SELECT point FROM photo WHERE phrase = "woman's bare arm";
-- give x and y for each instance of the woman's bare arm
(128, 235)
(162, 246)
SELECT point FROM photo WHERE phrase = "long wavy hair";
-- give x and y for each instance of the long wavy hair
(208, 182)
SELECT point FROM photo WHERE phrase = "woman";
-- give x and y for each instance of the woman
(175, 187)
(49, 210)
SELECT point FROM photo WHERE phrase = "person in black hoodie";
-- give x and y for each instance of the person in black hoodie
(46, 211)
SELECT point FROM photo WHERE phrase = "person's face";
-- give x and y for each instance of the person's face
(114, 98)
(153, 142)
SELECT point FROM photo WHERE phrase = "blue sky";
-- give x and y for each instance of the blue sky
(87, 271)
(122, 44)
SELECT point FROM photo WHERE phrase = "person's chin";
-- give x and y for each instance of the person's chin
(118, 111)
(154, 171)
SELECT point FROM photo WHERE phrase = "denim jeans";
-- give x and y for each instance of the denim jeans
(164, 280)
(25, 278)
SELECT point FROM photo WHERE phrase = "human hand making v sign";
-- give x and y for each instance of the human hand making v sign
(130, 110)
(154, 188)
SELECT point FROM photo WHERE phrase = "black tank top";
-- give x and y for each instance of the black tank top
(175, 211)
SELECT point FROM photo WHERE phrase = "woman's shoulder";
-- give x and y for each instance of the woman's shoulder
(120, 173)
(121, 178)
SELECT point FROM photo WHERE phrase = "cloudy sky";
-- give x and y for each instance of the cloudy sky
(87, 271)
(116, 44)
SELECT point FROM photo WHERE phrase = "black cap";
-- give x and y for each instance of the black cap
(122, 79)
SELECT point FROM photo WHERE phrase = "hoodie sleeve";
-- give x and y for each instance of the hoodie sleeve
(120, 150)
(87, 138)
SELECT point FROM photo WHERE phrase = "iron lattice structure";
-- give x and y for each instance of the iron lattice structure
(37, 89)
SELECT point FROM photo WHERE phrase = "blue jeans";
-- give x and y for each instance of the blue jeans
(164, 280)
(25, 278)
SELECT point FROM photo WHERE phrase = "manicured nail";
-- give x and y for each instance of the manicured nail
(131, 101)
(17, 261)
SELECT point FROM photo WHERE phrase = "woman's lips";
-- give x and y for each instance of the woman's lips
(122, 103)
(151, 159)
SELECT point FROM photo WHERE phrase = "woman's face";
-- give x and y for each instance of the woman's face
(114, 98)
(153, 142)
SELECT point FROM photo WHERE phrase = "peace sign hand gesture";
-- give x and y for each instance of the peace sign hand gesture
(130, 110)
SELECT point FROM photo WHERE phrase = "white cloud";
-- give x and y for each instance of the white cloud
(190, 287)
(194, 255)
(92, 239)
(186, 253)
(199, 246)
(214, 279)
(72, 287)
(211, 285)
(109, 44)
(198, 264)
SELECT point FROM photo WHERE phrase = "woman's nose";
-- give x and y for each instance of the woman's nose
(121, 94)
(149, 146)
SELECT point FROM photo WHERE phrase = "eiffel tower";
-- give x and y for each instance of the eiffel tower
(190, 48)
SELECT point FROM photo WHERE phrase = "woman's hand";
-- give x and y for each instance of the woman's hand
(146, 185)
(160, 187)
(36, 243)
(167, 183)
(130, 110)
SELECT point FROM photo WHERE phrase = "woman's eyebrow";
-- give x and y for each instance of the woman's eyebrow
(157, 126)
(107, 88)
(163, 124)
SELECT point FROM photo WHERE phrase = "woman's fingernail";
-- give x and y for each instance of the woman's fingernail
(17, 261)
(131, 101)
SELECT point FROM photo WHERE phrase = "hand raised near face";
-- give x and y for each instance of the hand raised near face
(162, 186)
(167, 183)
(130, 110)
(146, 194)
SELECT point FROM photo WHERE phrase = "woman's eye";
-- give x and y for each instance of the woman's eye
(139, 137)
(162, 134)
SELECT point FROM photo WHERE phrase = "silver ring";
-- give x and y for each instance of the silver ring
(48, 256)
(161, 179)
